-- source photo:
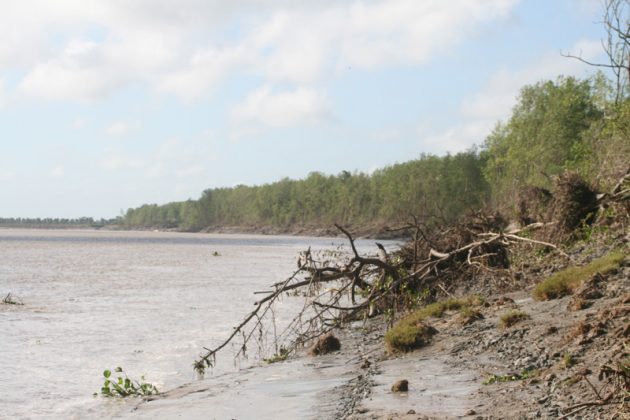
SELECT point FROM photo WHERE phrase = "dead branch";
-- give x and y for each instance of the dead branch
(363, 285)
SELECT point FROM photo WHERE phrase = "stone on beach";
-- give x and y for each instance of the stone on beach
(400, 386)
(325, 345)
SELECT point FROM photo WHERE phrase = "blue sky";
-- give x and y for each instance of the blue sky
(109, 104)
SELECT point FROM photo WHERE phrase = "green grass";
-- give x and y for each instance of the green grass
(564, 282)
(512, 317)
(412, 331)
(568, 360)
(406, 337)
(280, 356)
(469, 315)
(493, 379)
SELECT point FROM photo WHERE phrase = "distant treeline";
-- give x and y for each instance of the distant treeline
(566, 124)
(55, 222)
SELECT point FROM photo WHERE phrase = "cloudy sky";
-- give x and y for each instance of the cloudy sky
(109, 104)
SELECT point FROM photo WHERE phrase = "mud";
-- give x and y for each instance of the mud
(447, 379)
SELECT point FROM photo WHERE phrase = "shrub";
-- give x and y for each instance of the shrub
(412, 332)
(512, 317)
(406, 336)
(469, 315)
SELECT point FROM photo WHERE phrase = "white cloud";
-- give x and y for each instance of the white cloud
(78, 123)
(154, 170)
(460, 137)
(57, 172)
(6, 176)
(116, 162)
(172, 158)
(203, 71)
(407, 32)
(282, 109)
(190, 172)
(84, 50)
(117, 128)
(480, 112)
(501, 91)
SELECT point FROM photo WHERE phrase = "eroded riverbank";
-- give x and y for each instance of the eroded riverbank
(473, 370)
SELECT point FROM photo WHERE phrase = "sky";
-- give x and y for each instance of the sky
(110, 104)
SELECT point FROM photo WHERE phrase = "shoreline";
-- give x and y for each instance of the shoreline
(381, 232)
(475, 370)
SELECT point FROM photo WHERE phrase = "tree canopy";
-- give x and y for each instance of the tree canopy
(556, 125)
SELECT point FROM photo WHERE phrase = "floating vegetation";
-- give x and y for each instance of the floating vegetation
(11, 299)
(280, 356)
(123, 387)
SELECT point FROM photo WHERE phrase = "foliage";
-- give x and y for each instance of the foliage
(564, 282)
(406, 336)
(122, 386)
(512, 317)
(412, 332)
(280, 356)
(568, 360)
(44, 223)
(493, 379)
(11, 299)
(542, 137)
(469, 315)
(567, 124)
(440, 188)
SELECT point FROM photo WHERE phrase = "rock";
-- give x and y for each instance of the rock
(471, 412)
(325, 344)
(411, 412)
(401, 386)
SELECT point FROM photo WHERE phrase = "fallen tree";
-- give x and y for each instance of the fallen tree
(358, 286)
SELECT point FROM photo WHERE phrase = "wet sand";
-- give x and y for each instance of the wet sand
(337, 385)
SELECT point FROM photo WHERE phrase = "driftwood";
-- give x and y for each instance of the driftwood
(362, 286)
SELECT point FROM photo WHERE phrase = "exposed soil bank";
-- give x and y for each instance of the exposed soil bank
(373, 231)
(545, 366)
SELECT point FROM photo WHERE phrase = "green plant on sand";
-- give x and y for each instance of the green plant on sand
(280, 356)
(493, 379)
(512, 317)
(412, 331)
(568, 360)
(564, 282)
(122, 386)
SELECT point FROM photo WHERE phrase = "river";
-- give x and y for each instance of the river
(146, 301)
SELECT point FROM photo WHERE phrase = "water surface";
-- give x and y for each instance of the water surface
(146, 301)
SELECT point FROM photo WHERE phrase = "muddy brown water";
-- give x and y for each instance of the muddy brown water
(146, 301)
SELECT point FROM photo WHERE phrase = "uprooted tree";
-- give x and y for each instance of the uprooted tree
(362, 286)
(346, 287)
